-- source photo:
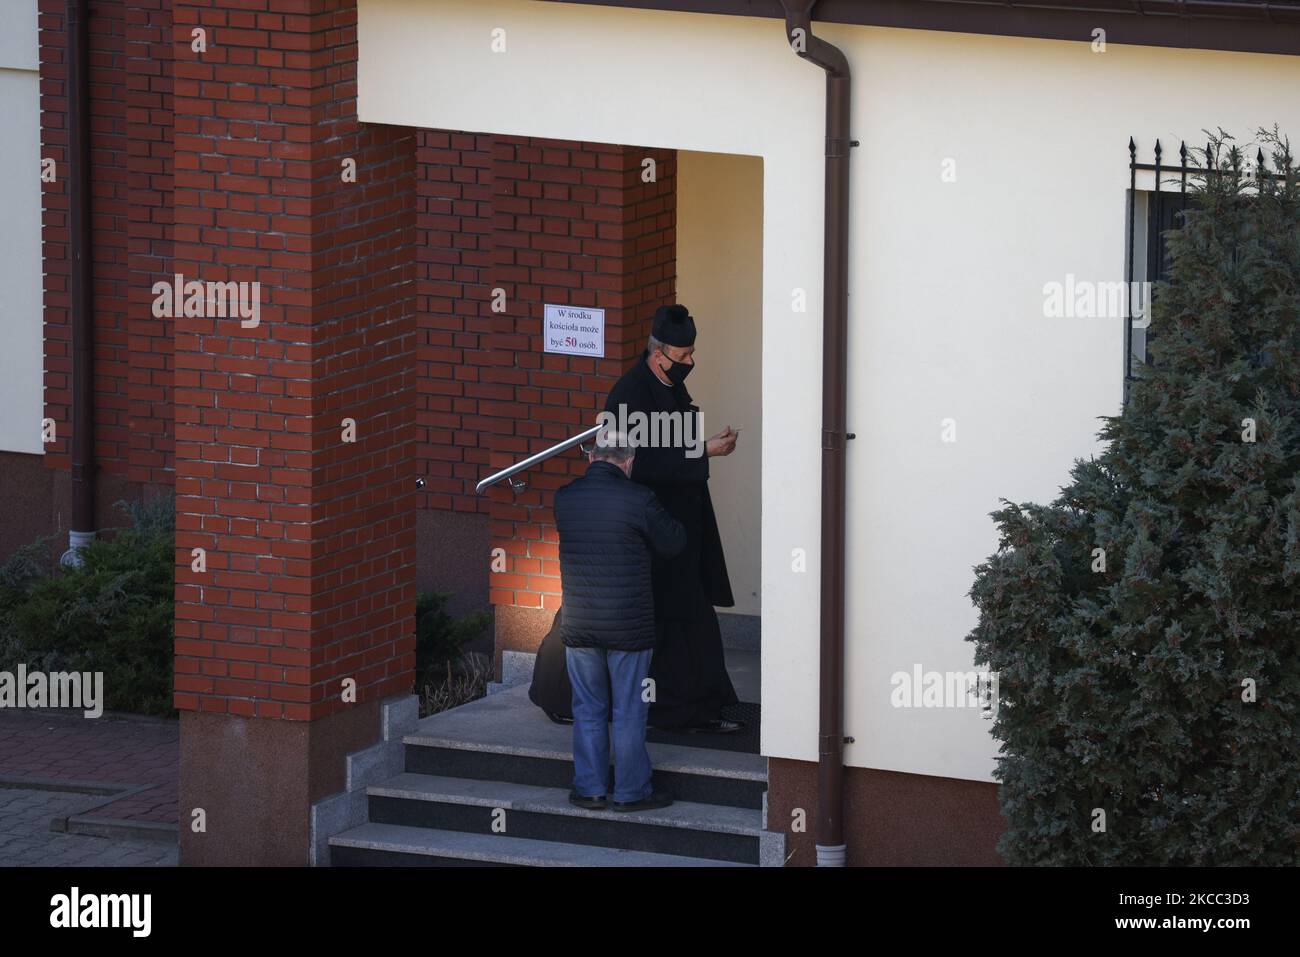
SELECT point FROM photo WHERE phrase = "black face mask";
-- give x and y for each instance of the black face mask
(678, 371)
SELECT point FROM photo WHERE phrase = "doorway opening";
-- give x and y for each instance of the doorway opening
(720, 277)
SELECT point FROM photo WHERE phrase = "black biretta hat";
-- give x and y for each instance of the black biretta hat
(673, 326)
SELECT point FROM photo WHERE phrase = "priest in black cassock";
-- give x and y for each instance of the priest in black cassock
(691, 684)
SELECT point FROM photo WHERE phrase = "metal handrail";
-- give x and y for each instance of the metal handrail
(535, 458)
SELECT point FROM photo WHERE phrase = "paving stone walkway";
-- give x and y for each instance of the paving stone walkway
(114, 749)
(27, 841)
(131, 763)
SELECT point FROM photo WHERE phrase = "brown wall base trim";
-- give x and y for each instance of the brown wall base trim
(36, 501)
(890, 818)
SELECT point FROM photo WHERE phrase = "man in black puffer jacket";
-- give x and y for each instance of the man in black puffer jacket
(608, 526)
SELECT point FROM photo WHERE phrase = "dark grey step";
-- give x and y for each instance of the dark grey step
(699, 785)
(505, 737)
(533, 812)
(391, 845)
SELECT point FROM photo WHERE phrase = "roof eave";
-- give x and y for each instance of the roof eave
(1248, 27)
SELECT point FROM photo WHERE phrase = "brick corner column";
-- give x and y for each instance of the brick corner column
(295, 427)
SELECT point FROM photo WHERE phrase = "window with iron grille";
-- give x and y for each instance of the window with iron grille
(1157, 199)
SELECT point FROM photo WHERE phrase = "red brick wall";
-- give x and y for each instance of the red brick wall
(545, 221)
(310, 539)
(130, 214)
(149, 237)
(573, 224)
(455, 260)
(251, 194)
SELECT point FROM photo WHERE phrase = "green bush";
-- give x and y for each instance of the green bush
(113, 614)
(1158, 680)
(440, 638)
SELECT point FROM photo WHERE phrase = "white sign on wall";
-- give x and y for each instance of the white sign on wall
(574, 330)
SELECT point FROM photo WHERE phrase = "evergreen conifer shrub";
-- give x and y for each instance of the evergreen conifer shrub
(1145, 626)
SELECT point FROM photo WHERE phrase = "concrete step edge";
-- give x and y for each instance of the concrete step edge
(700, 766)
(686, 815)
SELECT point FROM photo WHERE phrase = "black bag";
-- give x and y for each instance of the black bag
(551, 689)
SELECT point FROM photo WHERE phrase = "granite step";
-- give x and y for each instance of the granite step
(504, 737)
(396, 846)
(500, 760)
(535, 812)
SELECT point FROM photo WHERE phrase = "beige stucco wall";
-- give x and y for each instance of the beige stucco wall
(946, 280)
(720, 278)
(21, 375)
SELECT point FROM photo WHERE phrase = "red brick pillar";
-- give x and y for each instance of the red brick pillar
(579, 224)
(309, 537)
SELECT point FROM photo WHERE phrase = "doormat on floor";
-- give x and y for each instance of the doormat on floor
(745, 741)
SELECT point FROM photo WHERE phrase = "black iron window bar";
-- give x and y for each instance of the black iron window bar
(1165, 212)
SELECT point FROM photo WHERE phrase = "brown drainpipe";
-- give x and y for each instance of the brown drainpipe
(80, 287)
(831, 848)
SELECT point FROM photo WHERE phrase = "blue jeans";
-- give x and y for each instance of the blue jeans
(604, 682)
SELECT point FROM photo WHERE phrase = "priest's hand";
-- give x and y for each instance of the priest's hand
(724, 443)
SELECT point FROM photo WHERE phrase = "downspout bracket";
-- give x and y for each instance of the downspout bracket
(839, 145)
(834, 440)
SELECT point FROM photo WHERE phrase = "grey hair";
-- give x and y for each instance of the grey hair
(612, 446)
(653, 344)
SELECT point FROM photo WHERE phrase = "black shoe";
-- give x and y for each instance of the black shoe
(558, 719)
(656, 800)
(589, 803)
(717, 726)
